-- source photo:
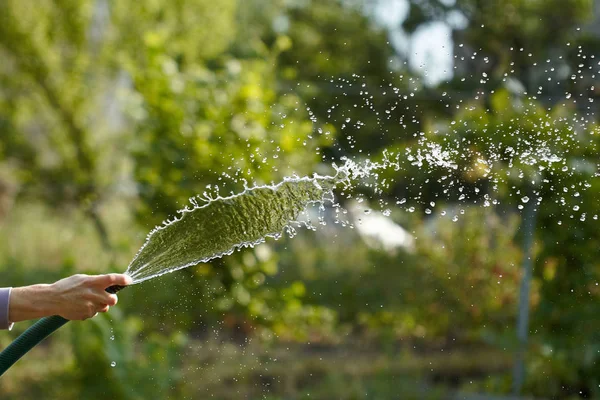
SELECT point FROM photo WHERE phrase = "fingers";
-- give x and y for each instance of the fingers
(93, 311)
(112, 279)
(104, 298)
(112, 300)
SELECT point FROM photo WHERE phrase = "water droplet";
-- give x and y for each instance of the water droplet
(525, 199)
(113, 363)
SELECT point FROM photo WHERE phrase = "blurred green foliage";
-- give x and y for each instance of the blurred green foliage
(113, 114)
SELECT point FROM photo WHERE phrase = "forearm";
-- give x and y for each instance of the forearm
(76, 297)
(31, 302)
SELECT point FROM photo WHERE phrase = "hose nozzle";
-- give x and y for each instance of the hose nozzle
(114, 289)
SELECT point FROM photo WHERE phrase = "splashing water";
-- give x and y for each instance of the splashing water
(224, 224)
(471, 160)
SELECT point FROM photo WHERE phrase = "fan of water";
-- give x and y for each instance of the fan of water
(221, 225)
(224, 224)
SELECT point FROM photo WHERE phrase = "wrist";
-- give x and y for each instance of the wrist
(51, 299)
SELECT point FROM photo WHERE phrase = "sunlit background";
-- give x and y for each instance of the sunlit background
(470, 281)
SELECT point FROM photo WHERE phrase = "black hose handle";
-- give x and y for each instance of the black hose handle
(114, 289)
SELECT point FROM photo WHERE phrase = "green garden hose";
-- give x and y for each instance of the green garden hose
(34, 335)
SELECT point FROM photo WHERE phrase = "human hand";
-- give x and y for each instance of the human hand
(76, 297)
(80, 297)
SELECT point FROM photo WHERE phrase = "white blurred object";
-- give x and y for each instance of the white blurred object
(379, 231)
